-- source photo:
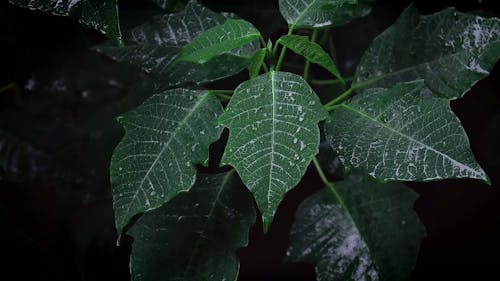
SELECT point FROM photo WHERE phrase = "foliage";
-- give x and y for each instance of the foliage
(392, 124)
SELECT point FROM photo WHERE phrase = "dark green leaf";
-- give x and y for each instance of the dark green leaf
(273, 121)
(98, 14)
(450, 50)
(311, 51)
(256, 62)
(322, 13)
(366, 231)
(195, 236)
(218, 40)
(165, 137)
(404, 133)
(154, 45)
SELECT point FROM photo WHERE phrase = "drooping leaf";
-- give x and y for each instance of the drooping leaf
(273, 122)
(404, 133)
(366, 231)
(171, 5)
(256, 62)
(97, 14)
(154, 45)
(311, 51)
(195, 235)
(217, 40)
(450, 50)
(322, 13)
(165, 137)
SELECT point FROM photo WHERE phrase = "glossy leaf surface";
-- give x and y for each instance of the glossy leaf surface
(98, 14)
(165, 137)
(223, 38)
(450, 50)
(405, 133)
(311, 51)
(273, 122)
(368, 231)
(322, 13)
(195, 236)
(154, 45)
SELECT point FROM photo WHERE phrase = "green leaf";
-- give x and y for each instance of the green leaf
(165, 137)
(311, 51)
(217, 40)
(97, 14)
(256, 62)
(405, 133)
(450, 50)
(195, 235)
(154, 45)
(366, 231)
(322, 13)
(273, 121)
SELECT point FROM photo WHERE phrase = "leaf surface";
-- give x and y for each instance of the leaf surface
(311, 51)
(450, 50)
(273, 122)
(405, 133)
(256, 62)
(369, 231)
(195, 236)
(217, 40)
(322, 13)
(97, 14)
(165, 137)
(154, 45)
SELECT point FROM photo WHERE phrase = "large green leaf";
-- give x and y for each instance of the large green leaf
(449, 49)
(217, 40)
(165, 137)
(403, 133)
(98, 14)
(154, 45)
(195, 236)
(364, 231)
(311, 51)
(273, 121)
(322, 13)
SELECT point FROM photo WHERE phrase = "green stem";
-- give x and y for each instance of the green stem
(331, 81)
(223, 95)
(262, 41)
(338, 99)
(328, 184)
(266, 69)
(283, 51)
(223, 91)
(307, 66)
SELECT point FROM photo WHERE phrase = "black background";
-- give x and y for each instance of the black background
(57, 223)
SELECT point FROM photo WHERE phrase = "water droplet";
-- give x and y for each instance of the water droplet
(295, 140)
(202, 132)
(302, 146)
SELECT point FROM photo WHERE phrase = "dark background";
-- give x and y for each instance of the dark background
(60, 98)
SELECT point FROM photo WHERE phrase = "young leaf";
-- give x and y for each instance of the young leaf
(366, 231)
(273, 121)
(195, 236)
(215, 41)
(450, 50)
(98, 14)
(311, 51)
(322, 13)
(165, 137)
(256, 62)
(154, 45)
(404, 133)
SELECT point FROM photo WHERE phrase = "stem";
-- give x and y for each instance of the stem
(307, 66)
(263, 42)
(266, 69)
(283, 51)
(223, 95)
(222, 91)
(328, 184)
(338, 99)
(331, 81)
